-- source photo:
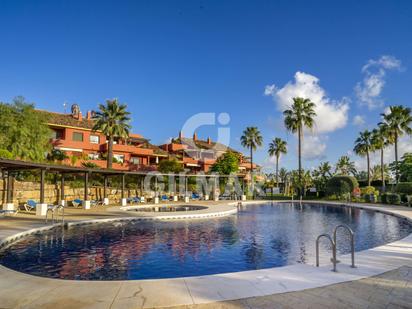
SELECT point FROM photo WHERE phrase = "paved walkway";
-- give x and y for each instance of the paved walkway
(392, 289)
(18, 290)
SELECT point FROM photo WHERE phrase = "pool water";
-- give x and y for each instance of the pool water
(258, 236)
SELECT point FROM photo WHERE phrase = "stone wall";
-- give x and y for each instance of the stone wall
(23, 191)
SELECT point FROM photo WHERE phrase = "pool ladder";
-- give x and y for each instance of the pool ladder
(333, 243)
(55, 210)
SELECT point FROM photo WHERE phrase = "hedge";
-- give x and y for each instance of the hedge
(391, 198)
(404, 187)
(338, 185)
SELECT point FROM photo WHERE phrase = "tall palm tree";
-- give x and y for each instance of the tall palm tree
(397, 123)
(300, 115)
(276, 148)
(363, 147)
(251, 138)
(345, 166)
(113, 120)
(379, 142)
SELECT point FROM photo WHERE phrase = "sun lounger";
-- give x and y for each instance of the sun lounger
(77, 202)
(30, 205)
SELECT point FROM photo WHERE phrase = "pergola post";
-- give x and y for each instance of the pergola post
(175, 193)
(243, 190)
(86, 201)
(9, 205)
(62, 195)
(186, 197)
(123, 200)
(156, 197)
(41, 208)
(105, 198)
(215, 192)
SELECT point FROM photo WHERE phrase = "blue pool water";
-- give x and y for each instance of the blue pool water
(259, 236)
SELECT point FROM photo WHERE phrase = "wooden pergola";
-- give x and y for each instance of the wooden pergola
(9, 167)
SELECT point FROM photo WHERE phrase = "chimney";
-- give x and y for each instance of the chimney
(180, 135)
(80, 116)
(194, 137)
(89, 115)
(209, 141)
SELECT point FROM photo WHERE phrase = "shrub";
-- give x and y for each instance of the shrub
(404, 187)
(368, 190)
(89, 164)
(340, 185)
(391, 198)
(5, 154)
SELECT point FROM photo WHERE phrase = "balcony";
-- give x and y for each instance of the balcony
(128, 149)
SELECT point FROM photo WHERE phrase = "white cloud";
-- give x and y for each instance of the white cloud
(313, 148)
(358, 120)
(369, 90)
(331, 115)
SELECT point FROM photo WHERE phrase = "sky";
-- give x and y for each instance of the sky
(170, 60)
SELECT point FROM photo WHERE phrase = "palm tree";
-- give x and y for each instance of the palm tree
(376, 172)
(397, 123)
(276, 148)
(251, 139)
(300, 115)
(321, 175)
(113, 120)
(345, 166)
(379, 142)
(363, 147)
(283, 174)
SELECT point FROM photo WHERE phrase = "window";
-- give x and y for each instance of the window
(78, 137)
(94, 139)
(57, 134)
(119, 158)
(135, 160)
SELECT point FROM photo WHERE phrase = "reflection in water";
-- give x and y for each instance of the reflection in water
(259, 236)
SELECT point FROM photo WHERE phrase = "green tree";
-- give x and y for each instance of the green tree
(251, 139)
(283, 175)
(300, 115)
(24, 132)
(170, 166)
(321, 176)
(113, 120)
(345, 166)
(380, 142)
(363, 147)
(226, 164)
(301, 181)
(379, 172)
(276, 148)
(397, 123)
(405, 167)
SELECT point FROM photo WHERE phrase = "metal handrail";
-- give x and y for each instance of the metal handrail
(333, 250)
(53, 210)
(352, 239)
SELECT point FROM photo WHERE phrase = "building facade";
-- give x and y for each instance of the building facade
(73, 135)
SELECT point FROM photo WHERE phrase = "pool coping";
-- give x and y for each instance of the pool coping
(209, 288)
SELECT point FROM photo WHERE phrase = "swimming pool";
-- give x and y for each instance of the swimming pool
(258, 236)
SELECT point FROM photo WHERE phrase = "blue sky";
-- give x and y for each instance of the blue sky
(169, 60)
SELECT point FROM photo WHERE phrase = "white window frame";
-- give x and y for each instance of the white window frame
(91, 137)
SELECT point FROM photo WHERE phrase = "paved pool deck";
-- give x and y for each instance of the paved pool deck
(250, 289)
